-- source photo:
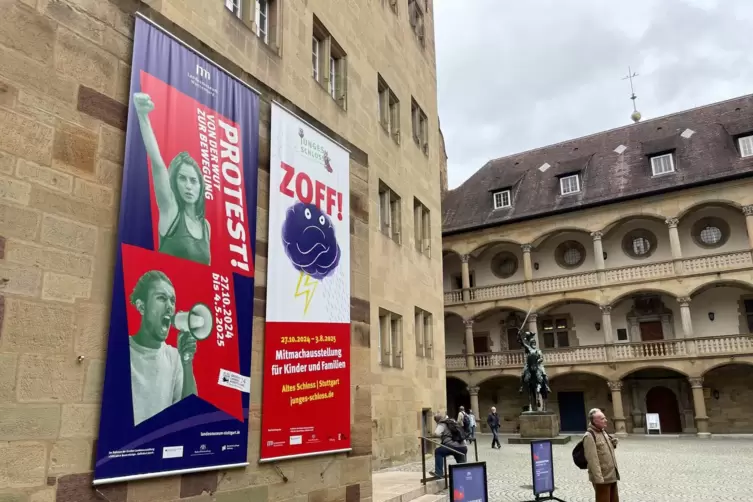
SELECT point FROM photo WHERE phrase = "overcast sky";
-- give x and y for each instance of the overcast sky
(516, 75)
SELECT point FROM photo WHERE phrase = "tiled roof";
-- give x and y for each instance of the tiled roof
(706, 153)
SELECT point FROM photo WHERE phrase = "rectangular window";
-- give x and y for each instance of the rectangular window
(329, 63)
(395, 342)
(555, 332)
(420, 124)
(748, 304)
(333, 77)
(622, 335)
(422, 227)
(416, 19)
(746, 146)
(316, 45)
(234, 6)
(389, 213)
(502, 199)
(662, 164)
(423, 331)
(388, 108)
(570, 184)
(262, 20)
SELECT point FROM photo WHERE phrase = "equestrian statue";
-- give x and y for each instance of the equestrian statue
(533, 378)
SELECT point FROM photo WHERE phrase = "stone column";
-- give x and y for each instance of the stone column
(606, 323)
(469, 352)
(599, 256)
(748, 212)
(699, 406)
(527, 268)
(687, 322)
(533, 327)
(465, 277)
(674, 243)
(473, 391)
(619, 414)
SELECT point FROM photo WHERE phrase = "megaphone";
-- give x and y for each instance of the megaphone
(197, 321)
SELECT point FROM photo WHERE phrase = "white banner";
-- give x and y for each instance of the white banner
(308, 263)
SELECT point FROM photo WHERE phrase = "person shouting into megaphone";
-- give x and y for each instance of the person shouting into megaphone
(161, 375)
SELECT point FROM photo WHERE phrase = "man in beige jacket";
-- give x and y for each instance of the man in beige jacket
(599, 449)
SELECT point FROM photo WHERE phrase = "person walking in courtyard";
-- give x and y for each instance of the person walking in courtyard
(599, 447)
(452, 438)
(493, 422)
(472, 418)
(464, 421)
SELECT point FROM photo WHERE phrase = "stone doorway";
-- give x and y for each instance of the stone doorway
(663, 401)
(651, 331)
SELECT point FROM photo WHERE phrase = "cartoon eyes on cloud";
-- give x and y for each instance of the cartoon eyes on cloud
(311, 245)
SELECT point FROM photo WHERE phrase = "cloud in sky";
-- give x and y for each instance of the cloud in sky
(513, 76)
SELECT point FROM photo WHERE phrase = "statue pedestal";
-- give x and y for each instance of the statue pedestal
(537, 425)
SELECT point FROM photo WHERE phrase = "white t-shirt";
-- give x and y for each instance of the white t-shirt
(156, 379)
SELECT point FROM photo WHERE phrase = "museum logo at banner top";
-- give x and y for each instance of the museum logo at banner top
(306, 390)
(177, 376)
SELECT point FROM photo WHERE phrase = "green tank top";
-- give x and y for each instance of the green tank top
(179, 242)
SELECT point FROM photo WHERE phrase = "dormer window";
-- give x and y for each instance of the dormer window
(746, 146)
(662, 164)
(569, 184)
(502, 199)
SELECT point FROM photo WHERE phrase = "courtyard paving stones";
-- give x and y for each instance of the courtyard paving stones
(684, 469)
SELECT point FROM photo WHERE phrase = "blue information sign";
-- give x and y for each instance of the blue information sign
(542, 467)
(468, 482)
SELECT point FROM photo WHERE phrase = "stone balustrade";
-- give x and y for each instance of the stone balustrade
(640, 272)
(622, 352)
(620, 275)
(717, 262)
(566, 282)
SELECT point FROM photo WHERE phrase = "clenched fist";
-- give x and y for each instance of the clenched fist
(143, 103)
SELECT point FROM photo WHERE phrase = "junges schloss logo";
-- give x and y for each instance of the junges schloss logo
(315, 151)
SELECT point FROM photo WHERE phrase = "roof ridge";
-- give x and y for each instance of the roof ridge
(606, 131)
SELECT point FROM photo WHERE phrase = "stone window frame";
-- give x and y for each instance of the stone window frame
(563, 247)
(422, 227)
(632, 235)
(483, 334)
(423, 322)
(498, 259)
(329, 55)
(390, 339)
(390, 213)
(272, 39)
(720, 223)
(389, 109)
(571, 335)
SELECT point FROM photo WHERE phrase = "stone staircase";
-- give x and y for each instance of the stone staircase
(393, 486)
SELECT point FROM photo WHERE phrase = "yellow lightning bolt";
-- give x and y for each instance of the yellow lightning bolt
(306, 288)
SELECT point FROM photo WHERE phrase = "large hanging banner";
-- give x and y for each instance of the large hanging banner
(177, 378)
(306, 394)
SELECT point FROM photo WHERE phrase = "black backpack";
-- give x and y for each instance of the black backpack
(466, 422)
(455, 431)
(579, 453)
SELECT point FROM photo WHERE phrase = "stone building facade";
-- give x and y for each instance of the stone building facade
(64, 77)
(631, 249)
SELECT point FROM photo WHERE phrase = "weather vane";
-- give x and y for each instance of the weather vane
(636, 115)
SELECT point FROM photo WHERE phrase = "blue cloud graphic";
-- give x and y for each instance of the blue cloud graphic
(310, 241)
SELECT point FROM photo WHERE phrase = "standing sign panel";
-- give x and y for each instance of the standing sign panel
(175, 396)
(468, 482)
(306, 394)
(541, 465)
(653, 423)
